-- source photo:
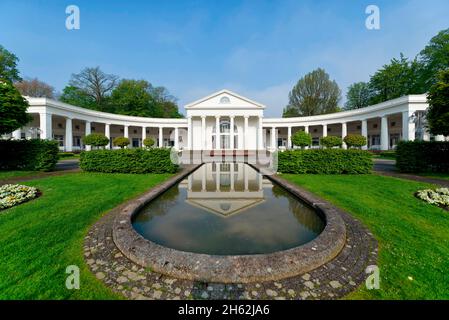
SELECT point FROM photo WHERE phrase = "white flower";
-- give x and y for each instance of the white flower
(14, 194)
(438, 196)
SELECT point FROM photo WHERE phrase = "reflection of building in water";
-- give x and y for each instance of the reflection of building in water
(225, 188)
(305, 215)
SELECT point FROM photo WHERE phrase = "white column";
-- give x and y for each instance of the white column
(217, 133)
(245, 177)
(245, 134)
(408, 127)
(144, 134)
(203, 132)
(324, 130)
(365, 132)
(189, 133)
(68, 135)
(161, 137)
(177, 138)
(203, 178)
(289, 137)
(126, 132)
(87, 131)
(344, 132)
(306, 130)
(260, 134)
(107, 133)
(190, 182)
(217, 177)
(384, 133)
(231, 135)
(273, 138)
(45, 125)
(17, 134)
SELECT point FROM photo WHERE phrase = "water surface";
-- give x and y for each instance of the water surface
(228, 209)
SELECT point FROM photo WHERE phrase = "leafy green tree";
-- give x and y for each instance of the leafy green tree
(398, 78)
(8, 66)
(121, 142)
(148, 142)
(435, 57)
(438, 112)
(358, 96)
(301, 139)
(132, 97)
(331, 141)
(77, 97)
(96, 140)
(13, 108)
(355, 140)
(140, 98)
(314, 94)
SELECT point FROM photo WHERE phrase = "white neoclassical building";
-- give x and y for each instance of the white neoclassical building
(225, 120)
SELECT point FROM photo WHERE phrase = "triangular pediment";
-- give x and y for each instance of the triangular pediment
(224, 99)
(225, 207)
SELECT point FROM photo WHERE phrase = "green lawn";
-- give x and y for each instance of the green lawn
(39, 239)
(12, 174)
(413, 236)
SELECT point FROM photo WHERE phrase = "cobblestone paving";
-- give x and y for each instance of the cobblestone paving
(332, 280)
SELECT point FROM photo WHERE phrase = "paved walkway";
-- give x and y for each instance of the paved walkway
(62, 167)
(387, 167)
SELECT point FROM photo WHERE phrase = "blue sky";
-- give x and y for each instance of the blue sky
(257, 48)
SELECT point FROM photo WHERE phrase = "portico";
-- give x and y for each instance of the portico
(227, 121)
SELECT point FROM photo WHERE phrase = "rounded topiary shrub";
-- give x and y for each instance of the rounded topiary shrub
(148, 142)
(301, 139)
(355, 140)
(331, 141)
(121, 142)
(96, 140)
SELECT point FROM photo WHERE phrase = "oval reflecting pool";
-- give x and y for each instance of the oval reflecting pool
(228, 209)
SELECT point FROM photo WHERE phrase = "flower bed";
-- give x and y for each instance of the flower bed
(439, 197)
(14, 194)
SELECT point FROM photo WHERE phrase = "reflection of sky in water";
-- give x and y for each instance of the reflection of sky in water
(275, 221)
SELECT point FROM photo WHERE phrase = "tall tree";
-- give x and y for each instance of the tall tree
(132, 97)
(13, 108)
(398, 78)
(77, 97)
(35, 88)
(8, 66)
(358, 96)
(438, 112)
(140, 98)
(435, 57)
(314, 94)
(96, 84)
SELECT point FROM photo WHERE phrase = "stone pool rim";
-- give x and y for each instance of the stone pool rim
(229, 268)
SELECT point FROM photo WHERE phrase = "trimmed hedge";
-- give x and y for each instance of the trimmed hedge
(138, 160)
(32, 155)
(422, 156)
(325, 161)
